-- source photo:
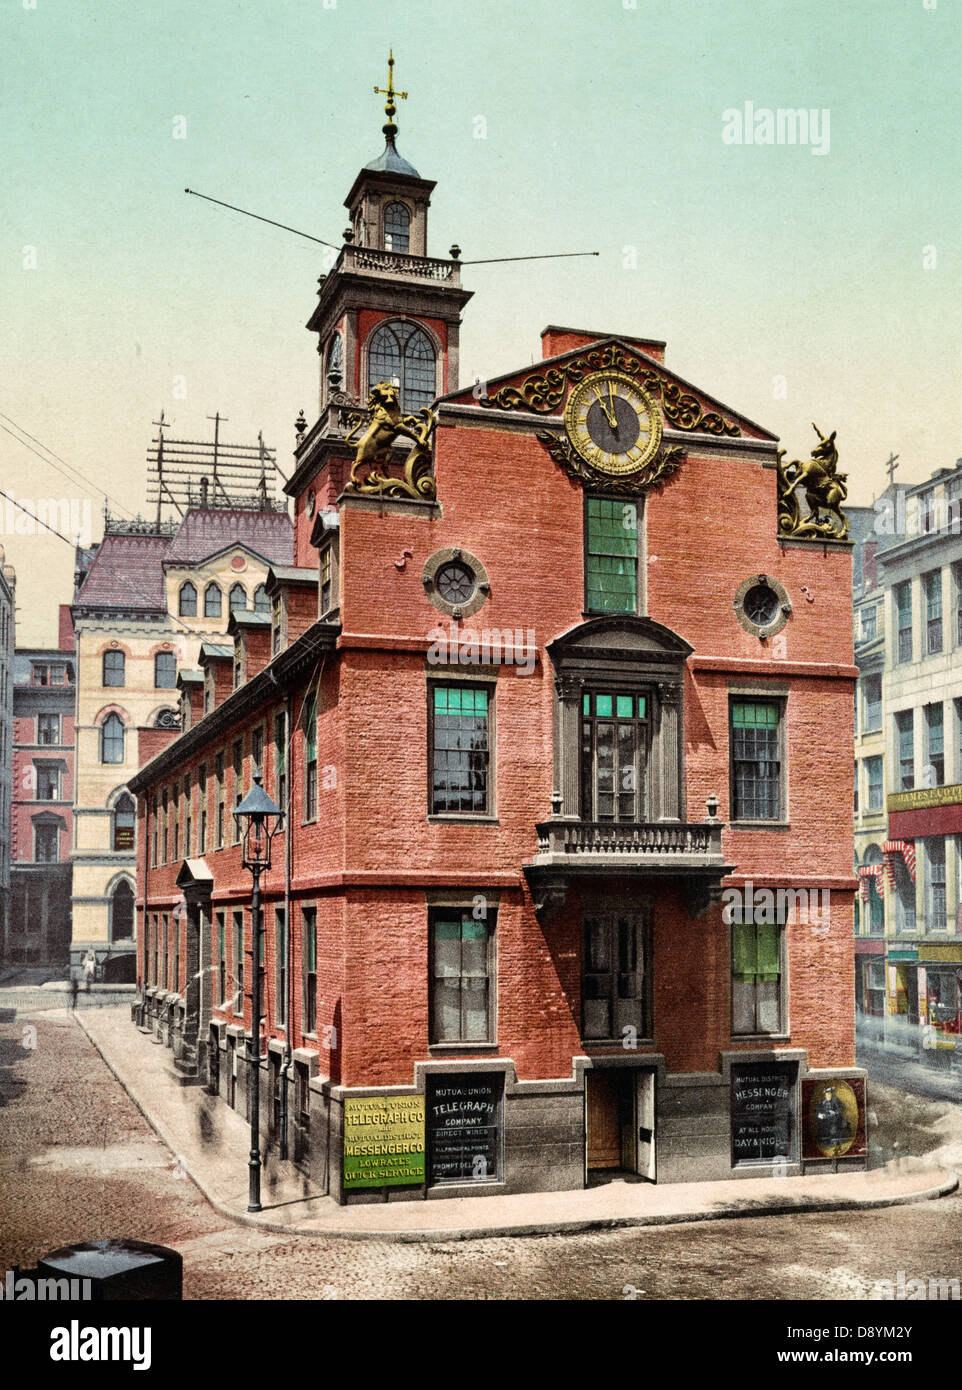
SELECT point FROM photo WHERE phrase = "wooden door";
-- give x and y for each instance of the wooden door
(603, 1119)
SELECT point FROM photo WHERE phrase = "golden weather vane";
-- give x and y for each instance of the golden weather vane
(390, 109)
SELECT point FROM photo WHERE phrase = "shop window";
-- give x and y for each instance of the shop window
(874, 986)
(462, 950)
(464, 1127)
(756, 760)
(459, 743)
(935, 902)
(611, 555)
(616, 993)
(763, 1113)
(122, 822)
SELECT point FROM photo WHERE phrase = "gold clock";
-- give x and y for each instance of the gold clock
(613, 423)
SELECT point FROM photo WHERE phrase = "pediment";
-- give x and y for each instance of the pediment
(619, 636)
(544, 389)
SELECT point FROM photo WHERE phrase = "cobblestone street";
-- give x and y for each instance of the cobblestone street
(80, 1161)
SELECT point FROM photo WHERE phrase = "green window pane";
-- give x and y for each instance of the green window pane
(586, 704)
(768, 956)
(642, 707)
(625, 706)
(743, 950)
(447, 931)
(755, 715)
(603, 706)
(472, 930)
(440, 699)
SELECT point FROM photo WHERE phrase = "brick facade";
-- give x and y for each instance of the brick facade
(377, 864)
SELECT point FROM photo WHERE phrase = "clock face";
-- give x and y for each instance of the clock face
(613, 423)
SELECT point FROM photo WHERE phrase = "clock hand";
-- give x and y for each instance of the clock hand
(608, 414)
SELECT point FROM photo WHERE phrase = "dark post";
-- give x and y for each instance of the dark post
(254, 1197)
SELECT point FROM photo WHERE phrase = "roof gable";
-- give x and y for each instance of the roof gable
(544, 389)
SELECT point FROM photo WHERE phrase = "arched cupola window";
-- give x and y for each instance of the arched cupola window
(188, 600)
(112, 739)
(397, 227)
(402, 352)
(212, 600)
(238, 598)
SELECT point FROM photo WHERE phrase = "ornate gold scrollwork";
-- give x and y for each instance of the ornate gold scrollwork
(824, 489)
(543, 392)
(666, 462)
(385, 425)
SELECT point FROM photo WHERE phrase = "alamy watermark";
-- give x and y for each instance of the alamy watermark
(33, 516)
(785, 125)
(765, 906)
(494, 646)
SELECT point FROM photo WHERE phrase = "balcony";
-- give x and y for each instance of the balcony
(567, 849)
(393, 265)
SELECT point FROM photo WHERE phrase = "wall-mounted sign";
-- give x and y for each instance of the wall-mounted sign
(464, 1126)
(924, 796)
(833, 1110)
(383, 1141)
(763, 1106)
(124, 837)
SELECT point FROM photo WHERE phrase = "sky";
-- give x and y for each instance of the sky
(798, 282)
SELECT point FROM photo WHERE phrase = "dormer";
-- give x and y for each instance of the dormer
(190, 684)
(293, 595)
(252, 643)
(217, 664)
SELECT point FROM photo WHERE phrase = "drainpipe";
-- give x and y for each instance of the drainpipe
(144, 935)
(288, 863)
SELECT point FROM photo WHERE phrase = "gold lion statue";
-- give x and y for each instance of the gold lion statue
(385, 424)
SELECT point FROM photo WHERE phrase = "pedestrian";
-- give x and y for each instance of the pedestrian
(89, 966)
(74, 988)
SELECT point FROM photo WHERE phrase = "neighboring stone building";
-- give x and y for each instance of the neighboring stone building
(565, 754)
(146, 601)
(43, 790)
(909, 751)
(8, 609)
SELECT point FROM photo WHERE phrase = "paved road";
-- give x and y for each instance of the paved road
(78, 1161)
(909, 1074)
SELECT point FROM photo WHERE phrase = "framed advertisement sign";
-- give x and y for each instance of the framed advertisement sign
(383, 1141)
(833, 1117)
(763, 1112)
(464, 1128)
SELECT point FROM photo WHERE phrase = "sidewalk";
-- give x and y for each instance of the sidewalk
(212, 1142)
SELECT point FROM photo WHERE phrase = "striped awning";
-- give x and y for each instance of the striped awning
(892, 850)
(866, 873)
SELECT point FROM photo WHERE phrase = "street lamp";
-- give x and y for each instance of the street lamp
(258, 819)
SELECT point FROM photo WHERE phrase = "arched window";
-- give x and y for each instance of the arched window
(397, 227)
(335, 355)
(262, 603)
(402, 352)
(212, 601)
(122, 822)
(238, 598)
(122, 912)
(112, 739)
(188, 601)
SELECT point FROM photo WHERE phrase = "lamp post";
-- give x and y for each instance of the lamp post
(257, 818)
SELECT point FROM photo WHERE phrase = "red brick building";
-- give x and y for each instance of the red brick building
(563, 732)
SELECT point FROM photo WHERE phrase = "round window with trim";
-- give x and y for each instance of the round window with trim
(762, 606)
(456, 582)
